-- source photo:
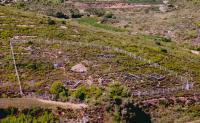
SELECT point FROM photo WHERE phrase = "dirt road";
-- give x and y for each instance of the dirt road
(35, 102)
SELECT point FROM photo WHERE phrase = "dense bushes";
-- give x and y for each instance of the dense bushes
(61, 15)
(83, 93)
(34, 115)
(122, 107)
(75, 13)
(37, 66)
(117, 92)
(6, 34)
(163, 39)
(57, 13)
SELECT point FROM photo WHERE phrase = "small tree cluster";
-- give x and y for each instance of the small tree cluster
(122, 107)
(83, 93)
(34, 115)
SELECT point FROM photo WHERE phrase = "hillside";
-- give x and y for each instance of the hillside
(124, 73)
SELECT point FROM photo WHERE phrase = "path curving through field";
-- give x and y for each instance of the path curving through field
(23, 103)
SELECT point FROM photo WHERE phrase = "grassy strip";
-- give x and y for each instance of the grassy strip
(94, 22)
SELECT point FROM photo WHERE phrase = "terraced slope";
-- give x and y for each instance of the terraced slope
(45, 49)
(29, 53)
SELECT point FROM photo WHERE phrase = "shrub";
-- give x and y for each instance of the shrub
(94, 92)
(194, 110)
(61, 15)
(75, 13)
(50, 21)
(117, 117)
(117, 91)
(198, 49)
(108, 15)
(58, 89)
(6, 34)
(163, 39)
(81, 93)
(63, 21)
(95, 11)
(38, 66)
(20, 5)
(38, 115)
(164, 50)
(8, 111)
(158, 43)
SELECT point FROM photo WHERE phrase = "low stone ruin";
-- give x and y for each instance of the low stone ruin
(156, 77)
(131, 77)
(106, 56)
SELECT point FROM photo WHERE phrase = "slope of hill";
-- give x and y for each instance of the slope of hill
(82, 60)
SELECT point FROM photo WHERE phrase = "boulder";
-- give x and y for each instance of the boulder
(195, 52)
(163, 8)
(80, 68)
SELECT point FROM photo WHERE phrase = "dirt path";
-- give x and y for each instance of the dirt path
(35, 102)
(113, 5)
(195, 121)
(64, 104)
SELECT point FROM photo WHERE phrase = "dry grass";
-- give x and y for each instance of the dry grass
(23, 103)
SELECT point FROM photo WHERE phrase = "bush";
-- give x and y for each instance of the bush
(81, 93)
(37, 66)
(61, 15)
(95, 11)
(20, 5)
(117, 91)
(164, 50)
(38, 115)
(94, 92)
(75, 13)
(163, 39)
(50, 21)
(6, 34)
(158, 43)
(109, 15)
(57, 88)
(8, 111)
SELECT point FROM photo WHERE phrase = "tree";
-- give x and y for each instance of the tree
(122, 107)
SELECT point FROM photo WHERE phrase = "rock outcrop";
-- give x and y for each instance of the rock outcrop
(79, 68)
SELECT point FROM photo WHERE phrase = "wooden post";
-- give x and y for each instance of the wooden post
(16, 71)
